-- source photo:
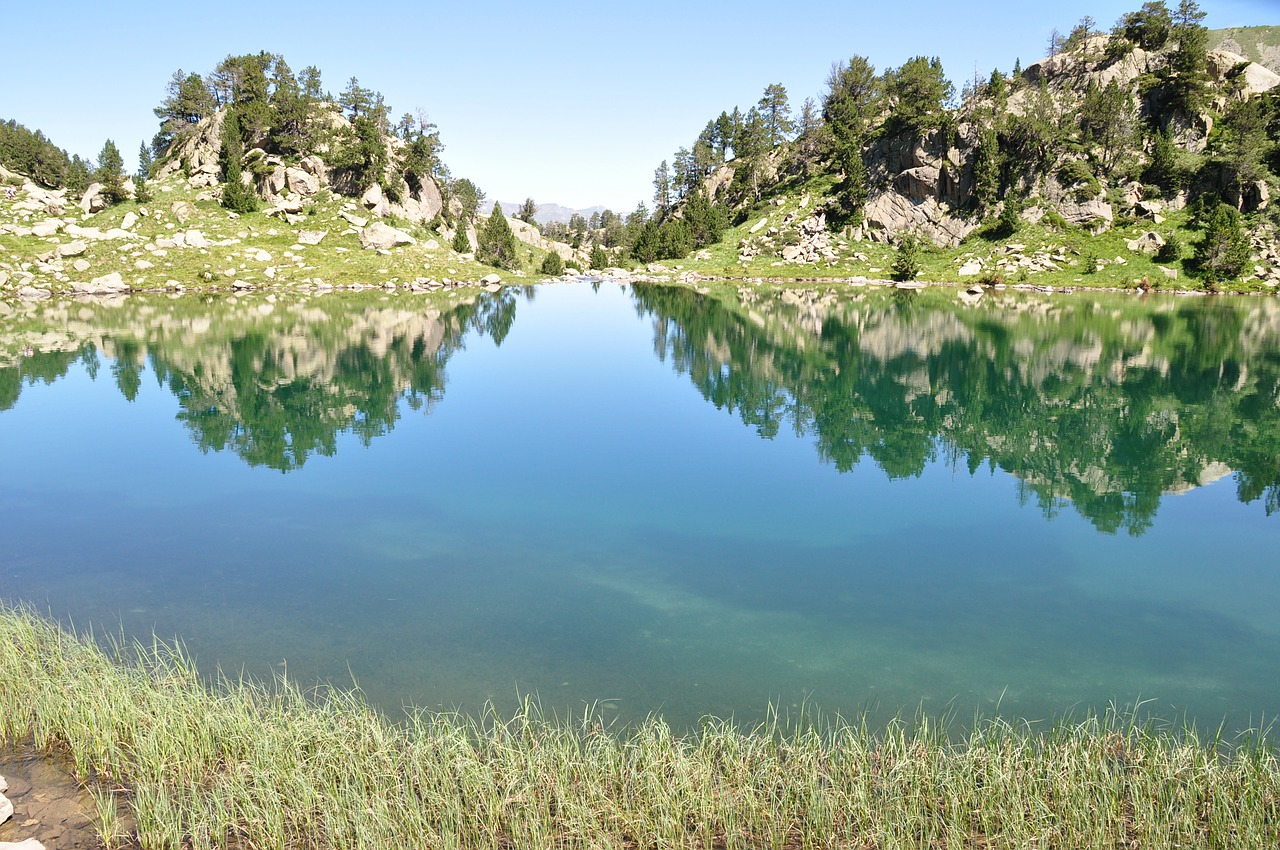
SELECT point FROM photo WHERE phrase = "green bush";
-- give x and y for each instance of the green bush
(552, 265)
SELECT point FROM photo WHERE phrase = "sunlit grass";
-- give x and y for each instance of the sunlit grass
(245, 764)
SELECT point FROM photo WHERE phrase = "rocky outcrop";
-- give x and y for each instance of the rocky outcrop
(287, 187)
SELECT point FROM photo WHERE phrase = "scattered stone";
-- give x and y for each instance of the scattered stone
(355, 220)
(490, 279)
(1170, 273)
(311, 237)
(110, 284)
(80, 265)
(183, 211)
(130, 219)
(46, 228)
(758, 226)
(72, 249)
(970, 268)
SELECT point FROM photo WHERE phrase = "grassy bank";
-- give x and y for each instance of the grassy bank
(247, 765)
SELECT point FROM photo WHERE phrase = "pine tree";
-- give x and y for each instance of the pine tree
(906, 263)
(1223, 251)
(776, 112)
(852, 100)
(496, 243)
(110, 173)
(527, 211)
(662, 187)
(461, 241)
(236, 196)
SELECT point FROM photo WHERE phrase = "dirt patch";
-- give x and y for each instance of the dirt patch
(48, 804)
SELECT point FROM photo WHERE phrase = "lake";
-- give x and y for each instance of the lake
(650, 499)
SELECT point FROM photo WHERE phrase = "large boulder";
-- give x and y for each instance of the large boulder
(1086, 212)
(379, 236)
(301, 182)
(891, 213)
(94, 199)
(1148, 243)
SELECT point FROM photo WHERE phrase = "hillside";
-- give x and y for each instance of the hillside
(1257, 44)
(1081, 168)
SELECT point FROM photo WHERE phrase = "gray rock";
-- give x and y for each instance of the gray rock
(383, 236)
(26, 844)
(196, 239)
(93, 200)
(1148, 209)
(301, 182)
(6, 808)
(1148, 243)
(353, 219)
(183, 211)
(490, 280)
(970, 268)
(80, 265)
(311, 237)
(72, 249)
(33, 293)
(1087, 211)
(130, 219)
(46, 228)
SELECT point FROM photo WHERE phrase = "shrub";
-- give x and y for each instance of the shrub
(1171, 250)
(552, 265)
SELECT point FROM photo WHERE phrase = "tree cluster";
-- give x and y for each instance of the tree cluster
(29, 152)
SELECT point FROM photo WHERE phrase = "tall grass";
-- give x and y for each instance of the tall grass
(253, 765)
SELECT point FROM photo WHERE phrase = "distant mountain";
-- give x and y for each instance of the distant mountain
(550, 212)
(1259, 44)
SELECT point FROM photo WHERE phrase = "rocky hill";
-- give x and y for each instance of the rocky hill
(1257, 44)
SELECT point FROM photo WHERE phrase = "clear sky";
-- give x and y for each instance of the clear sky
(568, 102)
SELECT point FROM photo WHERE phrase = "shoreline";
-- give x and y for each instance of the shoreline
(206, 764)
(633, 277)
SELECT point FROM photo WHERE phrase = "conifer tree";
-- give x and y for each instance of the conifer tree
(1223, 251)
(461, 241)
(236, 196)
(110, 173)
(496, 243)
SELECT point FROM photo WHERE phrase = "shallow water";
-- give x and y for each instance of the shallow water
(653, 500)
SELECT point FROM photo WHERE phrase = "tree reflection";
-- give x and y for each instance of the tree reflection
(274, 381)
(1106, 404)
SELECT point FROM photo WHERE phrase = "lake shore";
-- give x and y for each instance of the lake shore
(175, 760)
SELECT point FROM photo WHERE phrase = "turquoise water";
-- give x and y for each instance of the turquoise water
(654, 500)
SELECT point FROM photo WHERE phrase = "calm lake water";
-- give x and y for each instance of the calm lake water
(654, 500)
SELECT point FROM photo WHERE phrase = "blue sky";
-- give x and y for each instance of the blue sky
(567, 102)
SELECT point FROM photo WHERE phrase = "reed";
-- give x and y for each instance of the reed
(237, 763)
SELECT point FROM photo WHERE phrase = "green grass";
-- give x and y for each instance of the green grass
(874, 260)
(338, 260)
(241, 764)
